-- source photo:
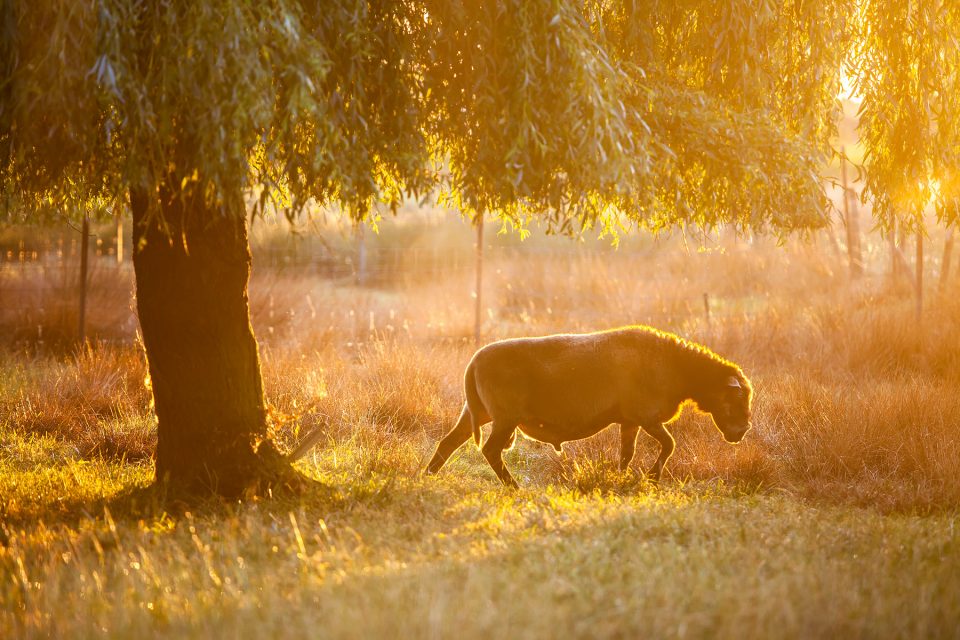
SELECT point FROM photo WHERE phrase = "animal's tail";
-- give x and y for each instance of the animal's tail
(474, 403)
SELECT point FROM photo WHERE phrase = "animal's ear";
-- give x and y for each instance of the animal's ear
(733, 387)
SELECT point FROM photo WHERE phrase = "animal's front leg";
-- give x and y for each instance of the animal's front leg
(501, 435)
(628, 444)
(667, 445)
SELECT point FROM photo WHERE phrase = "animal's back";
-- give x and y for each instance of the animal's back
(566, 378)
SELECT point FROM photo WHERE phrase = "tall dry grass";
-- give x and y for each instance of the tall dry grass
(95, 400)
(855, 402)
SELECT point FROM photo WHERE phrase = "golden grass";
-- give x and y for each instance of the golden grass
(95, 400)
(836, 516)
(391, 554)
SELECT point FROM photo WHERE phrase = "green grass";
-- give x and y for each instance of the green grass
(390, 553)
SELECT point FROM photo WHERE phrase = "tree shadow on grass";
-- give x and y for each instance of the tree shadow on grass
(122, 493)
(140, 505)
(138, 501)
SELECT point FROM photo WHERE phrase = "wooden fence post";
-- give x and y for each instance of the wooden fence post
(84, 249)
(360, 277)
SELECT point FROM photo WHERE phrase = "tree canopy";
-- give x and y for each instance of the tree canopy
(660, 113)
(906, 65)
(656, 112)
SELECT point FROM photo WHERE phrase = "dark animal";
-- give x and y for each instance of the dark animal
(570, 386)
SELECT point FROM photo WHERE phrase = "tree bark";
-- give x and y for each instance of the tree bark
(192, 265)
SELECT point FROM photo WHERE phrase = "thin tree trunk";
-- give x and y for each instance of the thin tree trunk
(854, 231)
(919, 266)
(901, 247)
(898, 262)
(947, 258)
(851, 218)
(893, 253)
(203, 358)
(119, 238)
(478, 308)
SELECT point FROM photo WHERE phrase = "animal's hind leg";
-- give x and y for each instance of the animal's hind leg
(452, 441)
(501, 434)
(667, 445)
(628, 444)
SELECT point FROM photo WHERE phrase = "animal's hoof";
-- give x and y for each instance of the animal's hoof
(433, 466)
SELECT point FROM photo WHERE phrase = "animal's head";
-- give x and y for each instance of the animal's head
(730, 407)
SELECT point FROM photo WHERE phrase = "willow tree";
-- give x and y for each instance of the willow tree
(905, 63)
(198, 115)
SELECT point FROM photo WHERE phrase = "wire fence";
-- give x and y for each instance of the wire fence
(39, 290)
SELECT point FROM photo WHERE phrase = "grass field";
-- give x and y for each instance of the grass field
(837, 515)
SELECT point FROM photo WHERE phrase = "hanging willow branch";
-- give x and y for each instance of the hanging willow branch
(582, 113)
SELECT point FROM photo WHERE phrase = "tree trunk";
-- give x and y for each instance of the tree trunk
(851, 219)
(478, 303)
(893, 253)
(204, 364)
(945, 263)
(918, 289)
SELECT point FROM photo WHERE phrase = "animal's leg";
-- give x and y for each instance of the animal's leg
(667, 445)
(628, 444)
(452, 441)
(500, 436)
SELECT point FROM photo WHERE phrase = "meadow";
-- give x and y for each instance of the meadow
(837, 514)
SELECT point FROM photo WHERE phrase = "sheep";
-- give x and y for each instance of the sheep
(566, 387)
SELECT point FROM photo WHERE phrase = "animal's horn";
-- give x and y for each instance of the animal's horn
(733, 382)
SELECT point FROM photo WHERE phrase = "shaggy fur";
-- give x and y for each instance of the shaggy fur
(570, 386)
